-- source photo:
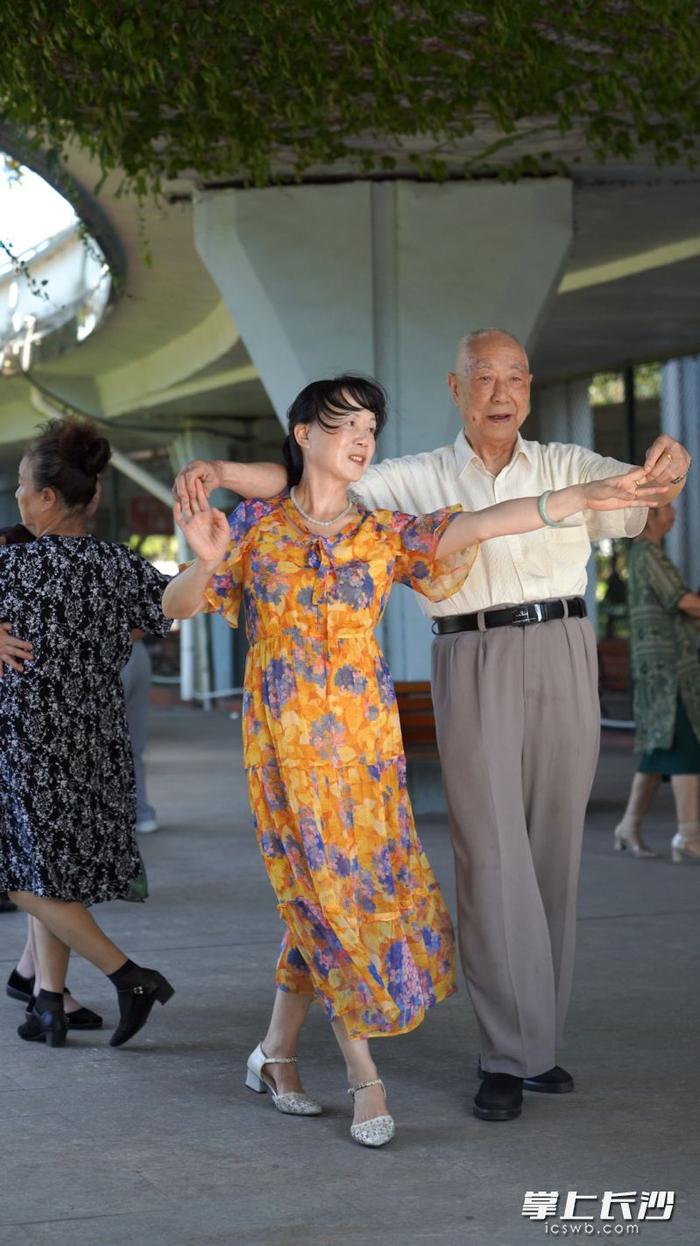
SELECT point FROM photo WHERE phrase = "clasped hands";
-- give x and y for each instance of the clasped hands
(667, 463)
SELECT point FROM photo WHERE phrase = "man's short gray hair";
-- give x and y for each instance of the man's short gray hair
(468, 342)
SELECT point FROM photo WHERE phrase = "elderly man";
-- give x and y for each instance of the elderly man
(514, 675)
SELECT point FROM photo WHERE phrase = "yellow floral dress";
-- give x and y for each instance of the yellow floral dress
(367, 929)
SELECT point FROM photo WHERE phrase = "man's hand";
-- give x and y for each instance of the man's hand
(205, 471)
(666, 461)
(13, 652)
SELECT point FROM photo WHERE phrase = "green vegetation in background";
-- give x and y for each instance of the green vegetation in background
(155, 548)
(608, 388)
(611, 589)
(263, 92)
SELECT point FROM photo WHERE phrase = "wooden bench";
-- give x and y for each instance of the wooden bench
(614, 665)
(417, 720)
(614, 679)
(415, 705)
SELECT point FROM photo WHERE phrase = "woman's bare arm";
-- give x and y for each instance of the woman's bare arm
(522, 514)
(184, 595)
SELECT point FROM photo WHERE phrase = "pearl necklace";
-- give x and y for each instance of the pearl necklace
(321, 523)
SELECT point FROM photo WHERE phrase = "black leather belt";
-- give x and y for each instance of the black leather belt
(513, 616)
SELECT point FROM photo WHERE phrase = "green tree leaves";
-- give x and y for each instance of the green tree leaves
(228, 89)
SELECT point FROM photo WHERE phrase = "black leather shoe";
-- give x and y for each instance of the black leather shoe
(19, 987)
(84, 1019)
(81, 1019)
(500, 1097)
(136, 1001)
(48, 1026)
(555, 1081)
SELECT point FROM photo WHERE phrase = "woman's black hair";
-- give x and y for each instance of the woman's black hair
(68, 456)
(329, 403)
(16, 534)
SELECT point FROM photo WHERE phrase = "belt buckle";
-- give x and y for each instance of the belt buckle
(524, 616)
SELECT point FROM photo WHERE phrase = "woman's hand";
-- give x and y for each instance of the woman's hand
(209, 536)
(205, 528)
(13, 652)
(633, 488)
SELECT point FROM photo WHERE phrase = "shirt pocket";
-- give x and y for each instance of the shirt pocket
(568, 549)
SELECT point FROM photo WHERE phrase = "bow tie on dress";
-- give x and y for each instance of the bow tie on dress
(320, 558)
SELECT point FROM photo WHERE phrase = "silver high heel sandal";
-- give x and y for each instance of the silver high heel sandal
(683, 842)
(377, 1131)
(630, 837)
(294, 1103)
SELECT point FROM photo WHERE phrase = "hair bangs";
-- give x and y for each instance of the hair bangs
(344, 395)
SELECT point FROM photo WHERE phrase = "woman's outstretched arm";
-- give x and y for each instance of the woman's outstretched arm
(522, 514)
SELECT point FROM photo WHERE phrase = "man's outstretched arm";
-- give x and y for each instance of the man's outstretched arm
(249, 480)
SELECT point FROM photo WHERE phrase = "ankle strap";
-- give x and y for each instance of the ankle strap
(278, 1059)
(363, 1086)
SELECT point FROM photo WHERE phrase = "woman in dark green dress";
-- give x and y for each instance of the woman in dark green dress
(664, 614)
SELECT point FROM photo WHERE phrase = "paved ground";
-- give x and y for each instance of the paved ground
(159, 1143)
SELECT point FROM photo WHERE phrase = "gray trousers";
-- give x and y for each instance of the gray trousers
(518, 727)
(136, 677)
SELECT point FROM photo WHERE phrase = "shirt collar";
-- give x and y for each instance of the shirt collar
(464, 454)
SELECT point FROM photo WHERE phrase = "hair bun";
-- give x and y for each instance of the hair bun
(96, 455)
(68, 456)
(85, 447)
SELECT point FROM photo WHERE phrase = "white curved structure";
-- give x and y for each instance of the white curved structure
(58, 286)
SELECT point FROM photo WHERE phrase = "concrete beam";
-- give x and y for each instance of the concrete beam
(198, 386)
(143, 381)
(630, 265)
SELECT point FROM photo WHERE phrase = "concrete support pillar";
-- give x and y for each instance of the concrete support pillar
(383, 278)
(564, 414)
(680, 417)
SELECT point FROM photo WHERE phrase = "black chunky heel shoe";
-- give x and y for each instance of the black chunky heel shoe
(45, 1025)
(19, 987)
(84, 1019)
(136, 999)
(81, 1019)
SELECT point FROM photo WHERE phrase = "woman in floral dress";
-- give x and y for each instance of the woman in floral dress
(367, 930)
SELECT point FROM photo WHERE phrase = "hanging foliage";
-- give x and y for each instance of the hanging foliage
(258, 92)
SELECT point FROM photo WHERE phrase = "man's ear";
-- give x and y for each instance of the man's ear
(453, 387)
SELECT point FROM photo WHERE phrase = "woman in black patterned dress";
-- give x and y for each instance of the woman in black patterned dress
(67, 798)
(17, 534)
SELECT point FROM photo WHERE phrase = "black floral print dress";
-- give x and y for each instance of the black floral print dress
(67, 795)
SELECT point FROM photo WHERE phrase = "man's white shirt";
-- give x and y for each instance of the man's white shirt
(508, 570)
